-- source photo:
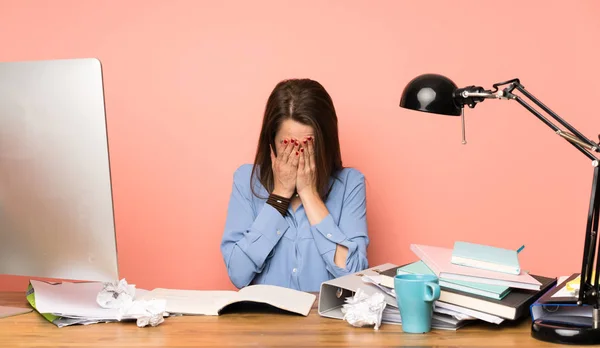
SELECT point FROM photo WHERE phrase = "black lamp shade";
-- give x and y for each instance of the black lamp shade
(431, 93)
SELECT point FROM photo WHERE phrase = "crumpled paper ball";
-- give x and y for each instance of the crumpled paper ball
(364, 310)
(116, 295)
(121, 296)
(148, 312)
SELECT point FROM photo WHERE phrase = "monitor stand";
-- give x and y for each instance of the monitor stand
(12, 311)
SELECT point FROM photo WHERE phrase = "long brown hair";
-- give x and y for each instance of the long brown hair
(305, 101)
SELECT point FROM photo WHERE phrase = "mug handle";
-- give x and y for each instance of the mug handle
(435, 292)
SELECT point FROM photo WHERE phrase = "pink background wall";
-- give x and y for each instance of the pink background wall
(186, 83)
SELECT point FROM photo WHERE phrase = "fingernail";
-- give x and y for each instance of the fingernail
(285, 141)
(302, 150)
(296, 143)
(305, 141)
(297, 153)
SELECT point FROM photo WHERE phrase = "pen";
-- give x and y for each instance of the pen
(521, 248)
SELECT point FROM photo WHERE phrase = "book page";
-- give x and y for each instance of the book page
(569, 290)
(283, 298)
(193, 302)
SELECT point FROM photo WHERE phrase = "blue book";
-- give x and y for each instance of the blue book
(560, 306)
(496, 292)
(486, 257)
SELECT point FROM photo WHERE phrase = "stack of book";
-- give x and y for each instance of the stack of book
(478, 281)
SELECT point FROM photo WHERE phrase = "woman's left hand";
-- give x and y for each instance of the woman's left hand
(305, 178)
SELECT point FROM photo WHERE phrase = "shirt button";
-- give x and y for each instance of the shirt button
(278, 232)
(328, 235)
(294, 270)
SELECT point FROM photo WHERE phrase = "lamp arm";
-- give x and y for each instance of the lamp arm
(589, 287)
(593, 145)
(580, 144)
(472, 95)
(589, 290)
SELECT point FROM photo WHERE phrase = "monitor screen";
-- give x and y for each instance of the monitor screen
(56, 207)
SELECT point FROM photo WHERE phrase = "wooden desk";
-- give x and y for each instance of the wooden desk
(246, 329)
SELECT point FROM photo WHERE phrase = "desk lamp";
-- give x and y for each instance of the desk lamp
(433, 93)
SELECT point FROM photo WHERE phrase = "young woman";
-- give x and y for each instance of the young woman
(296, 217)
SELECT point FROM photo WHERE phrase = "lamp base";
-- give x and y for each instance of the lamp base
(566, 331)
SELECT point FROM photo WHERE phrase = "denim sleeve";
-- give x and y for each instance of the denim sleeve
(249, 238)
(350, 231)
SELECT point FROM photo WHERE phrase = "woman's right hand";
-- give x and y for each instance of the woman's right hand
(285, 167)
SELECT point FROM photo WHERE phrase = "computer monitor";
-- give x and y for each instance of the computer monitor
(56, 205)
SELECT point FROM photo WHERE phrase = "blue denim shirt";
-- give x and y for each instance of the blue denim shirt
(260, 246)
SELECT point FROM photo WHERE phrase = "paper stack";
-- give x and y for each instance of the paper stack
(66, 303)
(441, 320)
(483, 294)
(445, 316)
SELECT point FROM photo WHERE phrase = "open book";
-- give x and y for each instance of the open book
(203, 302)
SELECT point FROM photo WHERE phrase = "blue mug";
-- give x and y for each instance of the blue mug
(415, 294)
